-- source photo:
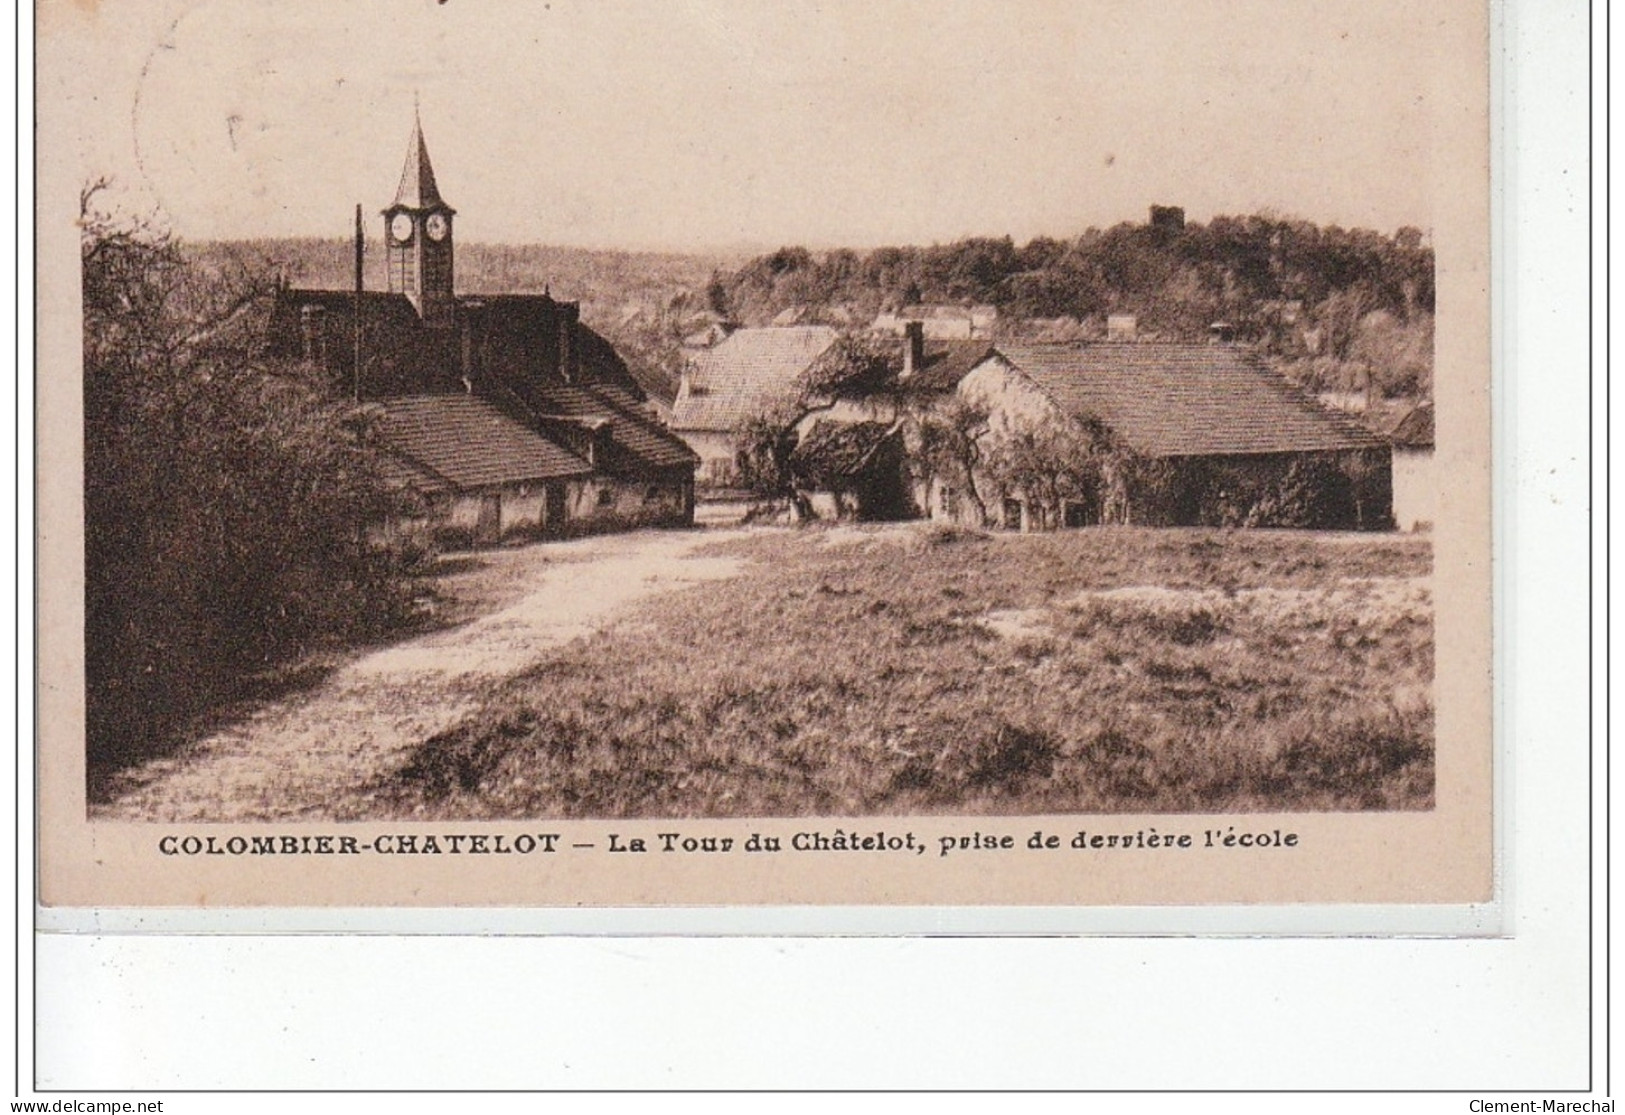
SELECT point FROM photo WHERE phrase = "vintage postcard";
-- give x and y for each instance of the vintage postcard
(736, 454)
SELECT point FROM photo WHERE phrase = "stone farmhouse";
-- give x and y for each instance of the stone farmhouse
(859, 455)
(503, 412)
(1078, 434)
(849, 444)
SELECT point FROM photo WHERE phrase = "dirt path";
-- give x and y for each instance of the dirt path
(312, 756)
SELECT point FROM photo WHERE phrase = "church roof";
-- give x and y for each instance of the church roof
(417, 189)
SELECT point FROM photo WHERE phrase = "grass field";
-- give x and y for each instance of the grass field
(856, 671)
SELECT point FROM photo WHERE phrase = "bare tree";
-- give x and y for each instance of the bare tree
(855, 366)
(950, 448)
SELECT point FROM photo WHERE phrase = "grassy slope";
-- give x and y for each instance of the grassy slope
(915, 670)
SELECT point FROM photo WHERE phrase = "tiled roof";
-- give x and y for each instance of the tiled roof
(751, 371)
(1168, 400)
(638, 443)
(601, 365)
(654, 383)
(946, 363)
(399, 472)
(469, 443)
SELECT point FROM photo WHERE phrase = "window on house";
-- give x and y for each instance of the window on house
(1012, 514)
(606, 497)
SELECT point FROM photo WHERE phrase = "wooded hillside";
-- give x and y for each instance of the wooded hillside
(1331, 304)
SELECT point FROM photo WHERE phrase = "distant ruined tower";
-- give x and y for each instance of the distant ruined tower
(418, 238)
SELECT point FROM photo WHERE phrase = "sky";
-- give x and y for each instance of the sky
(727, 124)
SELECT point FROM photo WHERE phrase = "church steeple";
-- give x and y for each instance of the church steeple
(417, 236)
(417, 189)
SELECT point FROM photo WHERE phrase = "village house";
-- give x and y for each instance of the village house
(503, 412)
(750, 373)
(941, 323)
(1157, 434)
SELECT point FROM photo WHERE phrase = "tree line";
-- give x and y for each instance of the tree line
(1337, 308)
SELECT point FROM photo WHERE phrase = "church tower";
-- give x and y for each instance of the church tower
(417, 238)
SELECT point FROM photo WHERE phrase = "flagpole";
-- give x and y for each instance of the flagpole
(360, 251)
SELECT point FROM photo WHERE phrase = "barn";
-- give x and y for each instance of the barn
(1160, 434)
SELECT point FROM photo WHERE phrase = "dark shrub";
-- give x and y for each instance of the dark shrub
(227, 500)
(1003, 757)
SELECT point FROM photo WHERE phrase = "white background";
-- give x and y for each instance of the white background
(1476, 1016)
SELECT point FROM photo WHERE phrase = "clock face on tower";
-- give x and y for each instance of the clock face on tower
(401, 227)
(437, 226)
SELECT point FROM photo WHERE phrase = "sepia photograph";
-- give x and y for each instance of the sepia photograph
(912, 430)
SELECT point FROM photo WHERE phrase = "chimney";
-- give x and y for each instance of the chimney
(569, 345)
(1120, 327)
(312, 335)
(913, 347)
(599, 436)
(466, 324)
